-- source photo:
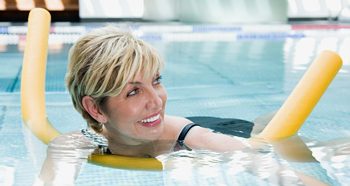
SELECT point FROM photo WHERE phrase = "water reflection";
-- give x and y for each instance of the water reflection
(334, 156)
(248, 167)
(261, 165)
(265, 164)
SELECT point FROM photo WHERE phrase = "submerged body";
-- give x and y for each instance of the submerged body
(68, 152)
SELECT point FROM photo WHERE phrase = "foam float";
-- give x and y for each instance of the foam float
(304, 97)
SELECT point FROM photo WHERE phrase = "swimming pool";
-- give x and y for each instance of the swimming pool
(228, 71)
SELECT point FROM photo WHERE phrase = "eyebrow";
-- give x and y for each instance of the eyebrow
(135, 83)
(139, 83)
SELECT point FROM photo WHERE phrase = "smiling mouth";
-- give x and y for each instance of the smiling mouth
(151, 119)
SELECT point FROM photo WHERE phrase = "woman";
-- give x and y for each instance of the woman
(115, 83)
(114, 80)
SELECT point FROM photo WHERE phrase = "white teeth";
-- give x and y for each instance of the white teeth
(151, 119)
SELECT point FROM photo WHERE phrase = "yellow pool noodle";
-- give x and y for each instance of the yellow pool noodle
(33, 94)
(304, 97)
(33, 76)
(125, 162)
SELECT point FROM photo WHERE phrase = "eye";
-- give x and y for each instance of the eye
(133, 92)
(157, 80)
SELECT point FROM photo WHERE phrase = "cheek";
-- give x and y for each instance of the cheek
(122, 113)
(130, 111)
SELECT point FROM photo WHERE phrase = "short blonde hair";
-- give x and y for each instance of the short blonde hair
(102, 62)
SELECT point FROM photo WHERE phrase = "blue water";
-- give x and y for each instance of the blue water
(244, 76)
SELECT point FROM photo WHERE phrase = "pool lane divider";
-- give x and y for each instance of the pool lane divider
(304, 97)
(33, 94)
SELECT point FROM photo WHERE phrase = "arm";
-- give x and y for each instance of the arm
(203, 138)
(292, 148)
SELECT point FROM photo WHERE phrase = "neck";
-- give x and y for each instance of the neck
(137, 150)
(123, 145)
(146, 149)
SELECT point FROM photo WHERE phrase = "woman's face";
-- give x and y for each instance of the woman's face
(137, 114)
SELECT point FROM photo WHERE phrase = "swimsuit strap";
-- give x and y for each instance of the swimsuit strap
(184, 131)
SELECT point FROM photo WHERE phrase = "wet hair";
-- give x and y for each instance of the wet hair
(102, 62)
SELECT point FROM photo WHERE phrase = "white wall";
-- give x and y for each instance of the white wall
(214, 11)
(110, 8)
(161, 10)
(319, 8)
(234, 11)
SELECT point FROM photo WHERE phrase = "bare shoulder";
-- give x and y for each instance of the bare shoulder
(174, 125)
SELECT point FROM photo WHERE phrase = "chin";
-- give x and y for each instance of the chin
(156, 133)
(152, 133)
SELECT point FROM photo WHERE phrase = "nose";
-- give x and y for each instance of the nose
(154, 101)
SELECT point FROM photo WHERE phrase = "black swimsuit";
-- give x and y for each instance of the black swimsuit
(180, 140)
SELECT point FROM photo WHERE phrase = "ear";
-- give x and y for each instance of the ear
(93, 109)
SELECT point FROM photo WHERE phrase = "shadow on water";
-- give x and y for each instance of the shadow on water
(333, 155)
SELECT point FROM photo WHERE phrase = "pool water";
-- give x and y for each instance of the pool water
(227, 71)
